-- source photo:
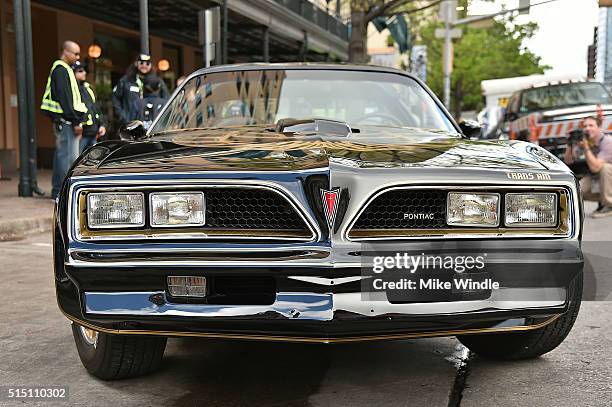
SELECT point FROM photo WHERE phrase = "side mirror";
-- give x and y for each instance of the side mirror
(132, 131)
(470, 128)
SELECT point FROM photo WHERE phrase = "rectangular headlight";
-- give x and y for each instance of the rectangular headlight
(531, 209)
(472, 209)
(115, 210)
(177, 209)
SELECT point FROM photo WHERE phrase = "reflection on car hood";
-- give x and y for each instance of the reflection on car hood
(261, 148)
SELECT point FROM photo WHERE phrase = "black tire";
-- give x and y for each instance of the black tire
(111, 357)
(528, 344)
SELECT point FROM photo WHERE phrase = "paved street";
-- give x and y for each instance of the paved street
(36, 348)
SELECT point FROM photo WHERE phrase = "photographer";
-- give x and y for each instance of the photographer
(597, 148)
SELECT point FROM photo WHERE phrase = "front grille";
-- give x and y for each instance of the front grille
(421, 213)
(232, 212)
(247, 208)
(405, 209)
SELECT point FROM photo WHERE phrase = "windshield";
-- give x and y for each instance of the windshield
(265, 96)
(571, 94)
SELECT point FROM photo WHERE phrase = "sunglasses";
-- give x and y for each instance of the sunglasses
(79, 70)
(144, 63)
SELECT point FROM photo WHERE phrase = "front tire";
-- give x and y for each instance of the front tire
(111, 357)
(530, 344)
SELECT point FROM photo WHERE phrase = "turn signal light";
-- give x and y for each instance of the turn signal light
(187, 286)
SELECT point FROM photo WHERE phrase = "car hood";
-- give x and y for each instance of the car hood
(261, 148)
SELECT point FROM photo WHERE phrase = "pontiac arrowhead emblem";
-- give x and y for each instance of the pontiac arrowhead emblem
(330, 205)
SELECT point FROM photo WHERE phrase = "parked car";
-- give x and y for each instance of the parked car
(260, 202)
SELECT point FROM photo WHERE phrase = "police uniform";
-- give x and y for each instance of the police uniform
(62, 103)
(128, 94)
(93, 118)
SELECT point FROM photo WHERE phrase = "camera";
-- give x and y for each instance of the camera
(576, 135)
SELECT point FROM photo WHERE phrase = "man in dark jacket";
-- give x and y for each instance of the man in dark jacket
(93, 126)
(129, 92)
(152, 101)
(62, 103)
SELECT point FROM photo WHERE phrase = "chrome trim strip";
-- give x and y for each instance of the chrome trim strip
(573, 207)
(322, 307)
(178, 263)
(74, 232)
(501, 327)
(191, 173)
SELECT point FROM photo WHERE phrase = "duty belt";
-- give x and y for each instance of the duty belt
(63, 121)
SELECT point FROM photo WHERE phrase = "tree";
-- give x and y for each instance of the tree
(480, 54)
(364, 11)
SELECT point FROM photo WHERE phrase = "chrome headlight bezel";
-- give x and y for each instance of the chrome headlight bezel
(90, 207)
(497, 195)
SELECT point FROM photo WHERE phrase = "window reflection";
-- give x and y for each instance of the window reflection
(265, 96)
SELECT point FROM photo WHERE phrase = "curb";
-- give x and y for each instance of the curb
(19, 228)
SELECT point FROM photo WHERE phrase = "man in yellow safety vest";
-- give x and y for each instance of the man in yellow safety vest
(62, 103)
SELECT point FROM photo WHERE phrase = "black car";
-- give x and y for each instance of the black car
(313, 203)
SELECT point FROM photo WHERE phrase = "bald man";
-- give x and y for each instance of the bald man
(62, 103)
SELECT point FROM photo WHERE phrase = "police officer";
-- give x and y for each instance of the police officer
(152, 102)
(128, 94)
(93, 127)
(62, 103)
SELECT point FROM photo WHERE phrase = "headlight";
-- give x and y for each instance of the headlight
(177, 209)
(119, 209)
(537, 209)
(472, 209)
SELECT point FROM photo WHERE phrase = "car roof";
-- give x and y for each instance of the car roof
(301, 66)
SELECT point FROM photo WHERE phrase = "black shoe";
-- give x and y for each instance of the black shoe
(602, 213)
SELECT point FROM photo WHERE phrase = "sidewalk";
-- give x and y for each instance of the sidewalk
(22, 216)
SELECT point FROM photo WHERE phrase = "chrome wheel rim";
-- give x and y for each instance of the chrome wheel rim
(89, 336)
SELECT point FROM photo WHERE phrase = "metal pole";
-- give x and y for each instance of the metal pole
(30, 91)
(144, 26)
(224, 34)
(447, 63)
(24, 188)
(304, 48)
(266, 44)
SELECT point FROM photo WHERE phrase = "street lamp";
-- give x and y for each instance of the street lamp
(94, 51)
(163, 65)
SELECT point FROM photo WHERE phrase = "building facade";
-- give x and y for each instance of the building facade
(255, 31)
(603, 65)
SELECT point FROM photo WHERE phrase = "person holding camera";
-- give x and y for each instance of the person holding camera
(597, 149)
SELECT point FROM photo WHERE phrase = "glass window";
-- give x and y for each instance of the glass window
(265, 96)
(565, 95)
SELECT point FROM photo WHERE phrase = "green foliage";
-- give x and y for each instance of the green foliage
(480, 54)
(390, 40)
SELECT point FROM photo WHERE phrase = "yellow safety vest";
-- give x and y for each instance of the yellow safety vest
(53, 106)
(89, 121)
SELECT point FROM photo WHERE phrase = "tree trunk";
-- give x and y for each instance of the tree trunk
(358, 52)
